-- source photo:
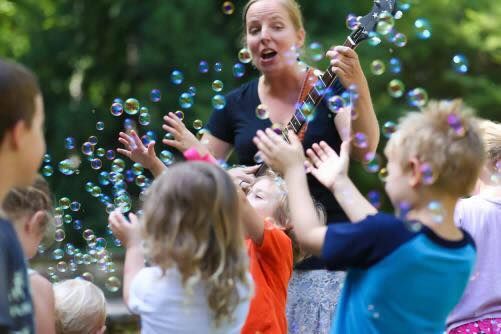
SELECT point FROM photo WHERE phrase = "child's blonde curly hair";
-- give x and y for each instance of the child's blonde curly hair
(445, 136)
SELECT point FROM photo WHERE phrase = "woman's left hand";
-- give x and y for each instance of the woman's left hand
(346, 66)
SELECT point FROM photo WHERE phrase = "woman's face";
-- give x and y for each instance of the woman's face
(271, 36)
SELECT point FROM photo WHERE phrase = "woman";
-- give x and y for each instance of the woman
(272, 29)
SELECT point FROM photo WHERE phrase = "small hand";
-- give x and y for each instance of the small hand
(183, 138)
(346, 65)
(243, 176)
(136, 150)
(127, 232)
(277, 153)
(327, 167)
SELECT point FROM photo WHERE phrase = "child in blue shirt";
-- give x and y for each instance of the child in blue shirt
(405, 272)
(22, 146)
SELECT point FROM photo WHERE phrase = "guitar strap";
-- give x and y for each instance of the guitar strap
(309, 82)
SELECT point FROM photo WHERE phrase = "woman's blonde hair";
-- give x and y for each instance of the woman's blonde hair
(26, 201)
(291, 6)
(445, 136)
(491, 135)
(191, 222)
(80, 307)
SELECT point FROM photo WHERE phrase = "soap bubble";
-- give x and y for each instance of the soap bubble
(218, 102)
(116, 109)
(460, 63)
(385, 24)
(238, 70)
(155, 95)
(197, 124)
(377, 67)
(228, 7)
(423, 28)
(203, 66)
(217, 85)
(113, 284)
(395, 65)
(262, 112)
(131, 106)
(396, 88)
(176, 77)
(418, 97)
(244, 56)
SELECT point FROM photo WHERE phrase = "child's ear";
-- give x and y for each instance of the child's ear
(35, 222)
(17, 134)
(102, 330)
(415, 171)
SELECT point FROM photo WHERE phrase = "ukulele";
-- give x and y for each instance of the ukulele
(310, 98)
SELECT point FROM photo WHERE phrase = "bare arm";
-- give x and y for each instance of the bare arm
(43, 303)
(288, 159)
(217, 147)
(346, 65)
(253, 224)
(332, 171)
(128, 234)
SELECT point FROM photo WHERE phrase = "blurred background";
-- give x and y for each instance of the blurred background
(152, 57)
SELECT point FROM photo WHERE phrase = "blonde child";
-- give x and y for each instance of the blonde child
(480, 307)
(198, 281)
(404, 274)
(265, 218)
(80, 307)
(22, 146)
(29, 210)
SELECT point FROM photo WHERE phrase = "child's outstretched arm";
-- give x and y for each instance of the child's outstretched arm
(288, 160)
(128, 233)
(332, 171)
(138, 152)
(253, 224)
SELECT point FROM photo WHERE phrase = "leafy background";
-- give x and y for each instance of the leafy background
(86, 53)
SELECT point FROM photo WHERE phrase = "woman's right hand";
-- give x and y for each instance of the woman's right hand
(243, 176)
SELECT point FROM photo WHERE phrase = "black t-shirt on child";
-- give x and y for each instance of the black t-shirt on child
(16, 309)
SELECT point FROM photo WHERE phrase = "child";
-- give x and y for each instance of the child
(268, 240)
(29, 210)
(198, 282)
(480, 307)
(404, 274)
(266, 218)
(22, 146)
(80, 307)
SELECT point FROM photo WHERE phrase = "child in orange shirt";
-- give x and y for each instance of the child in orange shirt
(265, 216)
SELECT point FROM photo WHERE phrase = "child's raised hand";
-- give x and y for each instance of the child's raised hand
(327, 167)
(277, 153)
(136, 150)
(127, 232)
(183, 138)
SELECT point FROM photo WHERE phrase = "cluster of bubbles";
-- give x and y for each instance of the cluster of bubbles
(112, 185)
(70, 260)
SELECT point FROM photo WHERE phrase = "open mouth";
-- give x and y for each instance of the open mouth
(268, 54)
